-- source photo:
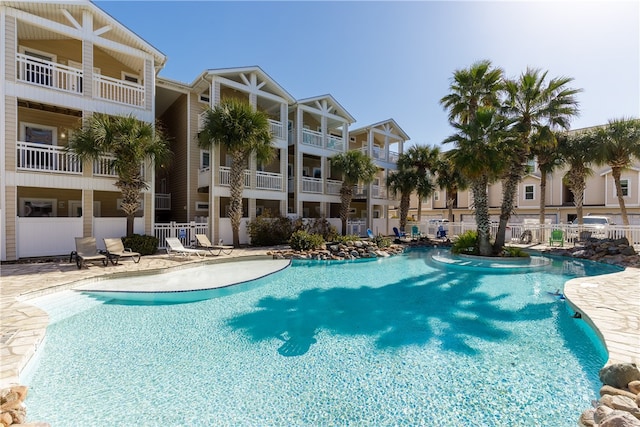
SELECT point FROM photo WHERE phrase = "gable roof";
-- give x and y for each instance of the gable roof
(393, 124)
(340, 110)
(235, 74)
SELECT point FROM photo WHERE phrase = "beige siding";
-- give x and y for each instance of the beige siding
(62, 122)
(10, 215)
(175, 121)
(87, 213)
(10, 49)
(10, 132)
(87, 67)
(111, 67)
(148, 78)
(64, 50)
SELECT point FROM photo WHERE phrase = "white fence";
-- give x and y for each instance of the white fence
(119, 91)
(185, 231)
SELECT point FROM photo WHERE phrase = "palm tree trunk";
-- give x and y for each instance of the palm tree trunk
(543, 196)
(346, 193)
(450, 202)
(617, 172)
(480, 201)
(236, 187)
(509, 191)
(419, 208)
(405, 200)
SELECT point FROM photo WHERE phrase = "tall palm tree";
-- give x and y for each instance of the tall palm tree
(577, 151)
(618, 144)
(545, 151)
(422, 158)
(471, 88)
(533, 103)
(405, 182)
(477, 156)
(451, 180)
(355, 167)
(131, 142)
(244, 132)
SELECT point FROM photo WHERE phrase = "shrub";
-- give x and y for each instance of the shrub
(382, 241)
(512, 251)
(347, 238)
(267, 230)
(467, 243)
(322, 227)
(303, 241)
(145, 245)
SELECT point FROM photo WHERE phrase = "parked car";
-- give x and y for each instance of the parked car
(598, 226)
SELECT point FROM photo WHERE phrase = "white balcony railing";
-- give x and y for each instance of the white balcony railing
(46, 158)
(335, 143)
(393, 157)
(104, 166)
(378, 192)
(119, 91)
(163, 201)
(268, 181)
(312, 185)
(359, 191)
(225, 176)
(40, 72)
(311, 137)
(333, 187)
(277, 130)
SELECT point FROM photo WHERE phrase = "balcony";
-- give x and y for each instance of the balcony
(311, 185)
(378, 192)
(269, 181)
(225, 177)
(47, 158)
(333, 187)
(163, 202)
(277, 129)
(120, 91)
(335, 143)
(40, 72)
(311, 137)
(48, 74)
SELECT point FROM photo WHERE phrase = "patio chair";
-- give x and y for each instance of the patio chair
(116, 250)
(204, 242)
(399, 234)
(370, 234)
(415, 232)
(441, 233)
(87, 251)
(174, 246)
(556, 237)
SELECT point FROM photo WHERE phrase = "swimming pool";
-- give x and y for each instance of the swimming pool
(395, 341)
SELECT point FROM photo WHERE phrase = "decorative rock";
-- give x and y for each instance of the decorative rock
(623, 403)
(607, 389)
(619, 375)
(601, 413)
(620, 419)
(586, 419)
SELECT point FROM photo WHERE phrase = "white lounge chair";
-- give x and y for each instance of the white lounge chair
(87, 251)
(116, 250)
(174, 246)
(204, 242)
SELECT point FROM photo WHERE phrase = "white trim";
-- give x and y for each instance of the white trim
(208, 101)
(3, 178)
(26, 50)
(628, 181)
(201, 163)
(533, 192)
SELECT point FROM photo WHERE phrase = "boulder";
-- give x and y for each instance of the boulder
(619, 419)
(622, 403)
(601, 413)
(607, 389)
(628, 251)
(586, 418)
(634, 387)
(619, 375)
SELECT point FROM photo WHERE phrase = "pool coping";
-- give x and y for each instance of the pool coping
(610, 303)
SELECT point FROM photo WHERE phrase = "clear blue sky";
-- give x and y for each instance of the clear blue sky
(395, 60)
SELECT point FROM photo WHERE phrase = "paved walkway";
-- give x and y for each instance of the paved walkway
(610, 302)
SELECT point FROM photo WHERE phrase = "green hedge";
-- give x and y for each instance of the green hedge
(145, 245)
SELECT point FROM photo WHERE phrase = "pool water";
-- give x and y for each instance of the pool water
(396, 341)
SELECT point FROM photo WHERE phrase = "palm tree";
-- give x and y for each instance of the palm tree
(471, 88)
(577, 152)
(478, 158)
(534, 105)
(423, 159)
(405, 182)
(131, 142)
(451, 180)
(618, 144)
(244, 132)
(355, 167)
(545, 151)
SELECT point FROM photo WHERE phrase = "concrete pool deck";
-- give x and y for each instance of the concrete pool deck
(610, 302)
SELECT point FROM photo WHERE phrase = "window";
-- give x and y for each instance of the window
(624, 183)
(39, 134)
(204, 97)
(436, 196)
(202, 206)
(528, 192)
(38, 69)
(38, 207)
(205, 159)
(131, 78)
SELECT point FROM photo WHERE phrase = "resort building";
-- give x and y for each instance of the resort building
(600, 198)
(60, 62)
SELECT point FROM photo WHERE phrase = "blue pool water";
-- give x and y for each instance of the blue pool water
(396, 341)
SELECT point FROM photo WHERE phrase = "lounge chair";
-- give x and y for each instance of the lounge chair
(116, 250)
(204, 242)
(370, 234)
(174, 246)
(399, 234)
(87, 251)
(556, 237)
(415, 232)
(441, 233)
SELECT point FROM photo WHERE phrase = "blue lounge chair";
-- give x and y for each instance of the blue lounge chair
(441, 233)
(399, 234)
(370, 234)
